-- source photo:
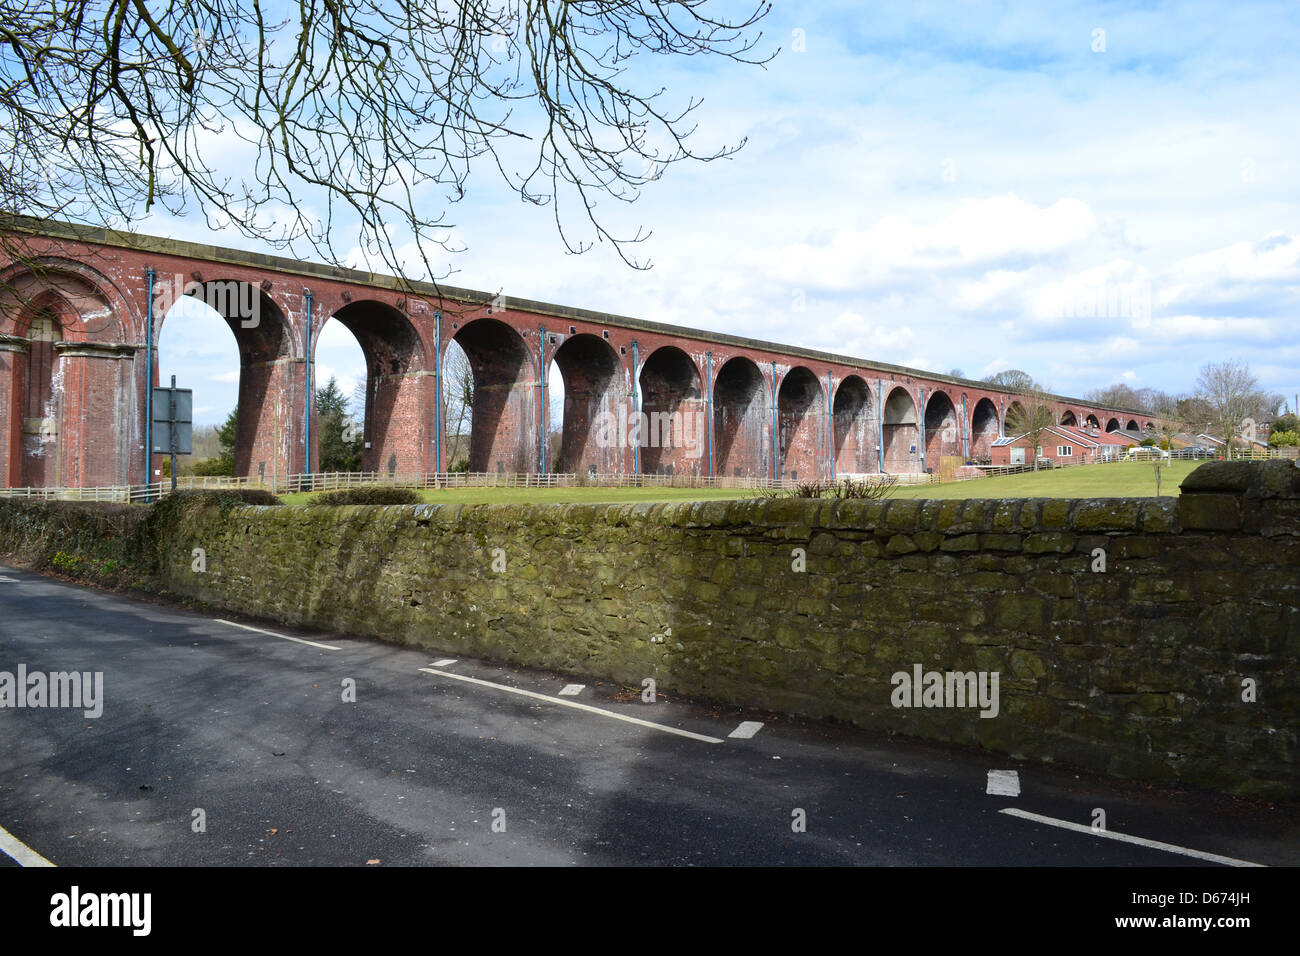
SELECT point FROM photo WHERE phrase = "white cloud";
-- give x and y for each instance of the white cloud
(976, 232)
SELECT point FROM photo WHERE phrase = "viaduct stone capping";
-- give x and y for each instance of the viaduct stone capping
(1138, 670)
(760, 409)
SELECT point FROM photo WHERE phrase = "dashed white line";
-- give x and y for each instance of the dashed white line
(746, 729)
(571, 690)
(20, 852)
(1003, 783)
(283, 637)
(445, 662)
(1125, 838)
(575, 705)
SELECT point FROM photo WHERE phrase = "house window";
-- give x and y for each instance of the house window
(1064, 451)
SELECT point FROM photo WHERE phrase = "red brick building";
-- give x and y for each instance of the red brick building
(1062, 445)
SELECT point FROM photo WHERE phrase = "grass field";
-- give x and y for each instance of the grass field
(1121, 480)
(1126, 479)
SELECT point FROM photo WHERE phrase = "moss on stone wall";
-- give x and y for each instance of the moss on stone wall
(1121, 630)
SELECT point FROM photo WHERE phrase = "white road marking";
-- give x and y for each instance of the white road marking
(746, 729)
(8, 580)
(20, 852)
(575, 705)
(1125, 838)
(571, 690)
(283, 637)
(1004, 783)
(445, 662)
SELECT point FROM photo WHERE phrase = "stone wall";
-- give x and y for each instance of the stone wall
(1126, 633)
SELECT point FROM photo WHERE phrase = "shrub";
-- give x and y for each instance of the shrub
(367, 495)
(1283, 439)
(869, 488)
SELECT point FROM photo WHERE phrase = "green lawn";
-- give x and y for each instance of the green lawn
(1127, 479)
(1121, 480)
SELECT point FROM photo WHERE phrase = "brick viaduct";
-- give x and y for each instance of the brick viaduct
(82, 308)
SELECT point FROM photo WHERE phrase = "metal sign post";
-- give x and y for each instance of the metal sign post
(173, 434)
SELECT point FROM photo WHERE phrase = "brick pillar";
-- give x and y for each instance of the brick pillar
(13, 360)
(396, 423)
(801, 417)
(505, 436)
(741, 426)
(942, 436)
(674, 430)
(902, 432)
(595, 391)
(98, 413)
(855, 428)
(269, 434)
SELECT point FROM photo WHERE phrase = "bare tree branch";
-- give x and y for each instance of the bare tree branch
(363, 114)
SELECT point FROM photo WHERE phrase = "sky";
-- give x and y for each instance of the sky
(1094, 193)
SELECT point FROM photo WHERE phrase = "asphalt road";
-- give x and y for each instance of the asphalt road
(423, 768)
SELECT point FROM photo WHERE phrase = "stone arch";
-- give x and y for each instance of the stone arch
(855, 450)
(1112, 425)
(672, 430)
(503, 424)
(398, 393)
(1132, 425)
(800, 410)
(1069, 418)
(942, 430)
(105, 314)
(1011, 416)
(740, 431)
(984, 428)
(594, 439)
(269, 429)
(67, 380)
(901, 432)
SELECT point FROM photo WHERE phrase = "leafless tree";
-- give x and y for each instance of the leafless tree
(367, 114)
(1012, 378)
(1231, 393)
(458, 382)
(1032, 414)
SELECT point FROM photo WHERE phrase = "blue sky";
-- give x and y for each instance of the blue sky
(956, 185)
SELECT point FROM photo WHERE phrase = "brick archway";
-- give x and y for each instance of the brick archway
(740, 423)
(855, 437)
(902, 435)
(503, 429)
(673, 425)
(596, 403)
(398, 390)
(801, 416)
